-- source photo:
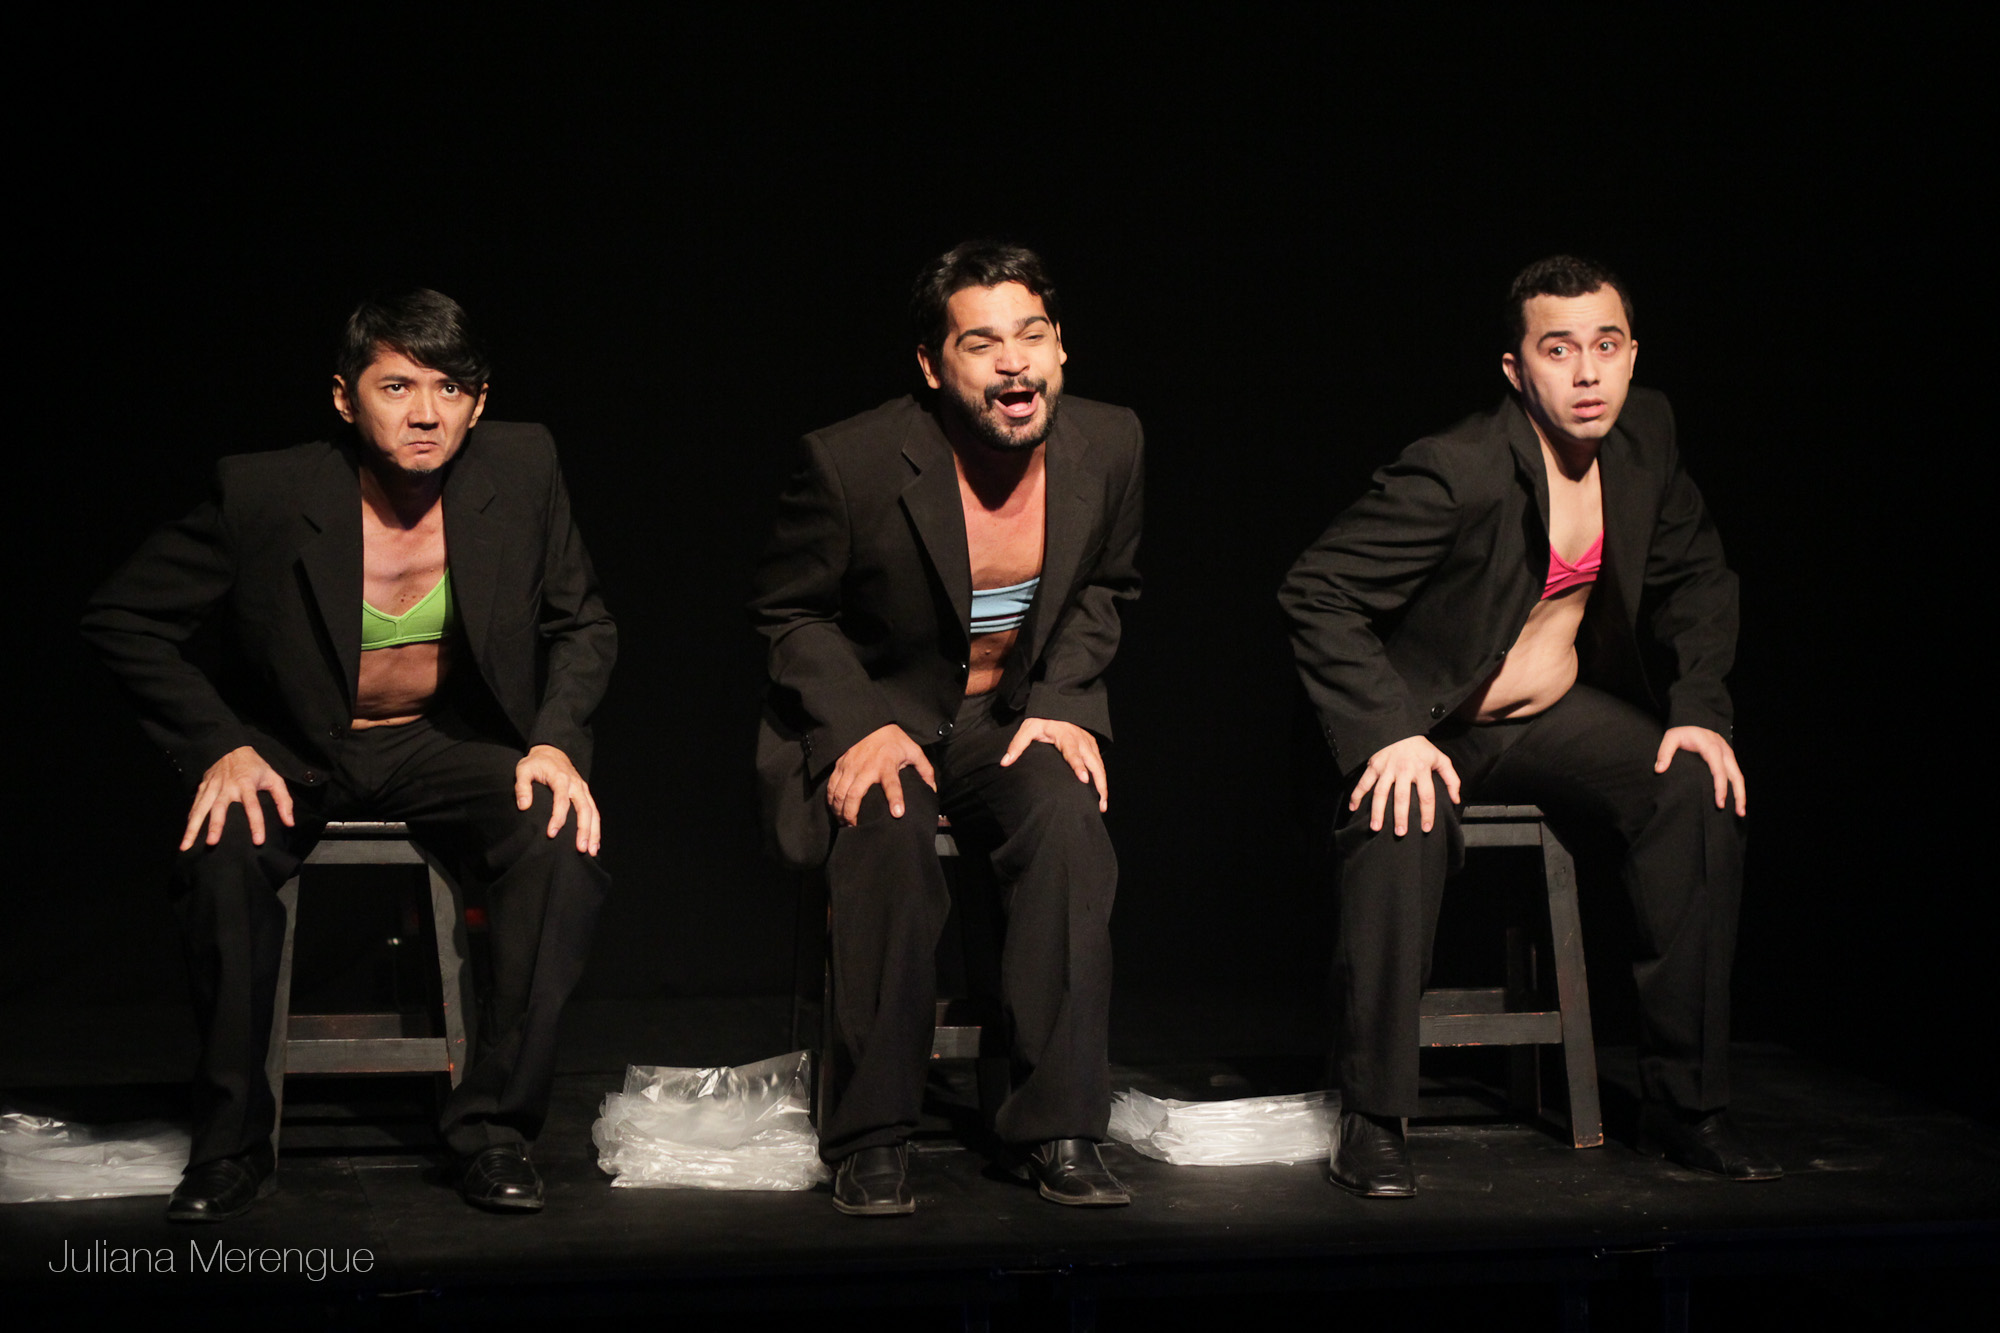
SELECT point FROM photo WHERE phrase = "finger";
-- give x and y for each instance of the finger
(1721, 777)
(524, 783)
(586, 821)
(924, 770)
(850, 803)
(1380, 804)
(1023, 738)
(1361, 789)
(253, 810)
(892, 788)
(281, 796)
(1450, 776)
(196, 812)
(559, 808)
(1095, 762)
(1426, 801)
(1402, 806)
(1666, 754)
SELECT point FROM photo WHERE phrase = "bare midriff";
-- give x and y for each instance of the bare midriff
(398, 685)
(1005, 543)
(1541, 666)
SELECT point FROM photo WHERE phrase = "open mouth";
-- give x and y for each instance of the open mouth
(1017, 402)
(1588, 408)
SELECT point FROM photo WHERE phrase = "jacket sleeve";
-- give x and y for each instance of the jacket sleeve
(1690, 604)
(1361, 571)
(796, 607)
(139, 620)
(1068, 684)
(579, 635)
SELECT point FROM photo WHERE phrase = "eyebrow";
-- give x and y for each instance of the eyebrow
(985, 332)
(1565, 333)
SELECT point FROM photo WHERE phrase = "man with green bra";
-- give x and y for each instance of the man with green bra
(417, 635)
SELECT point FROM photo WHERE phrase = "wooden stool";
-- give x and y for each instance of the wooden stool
(373, 1043)
(1518, 1014)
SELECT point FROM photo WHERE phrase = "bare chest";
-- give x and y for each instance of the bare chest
(399, 566)
(1576, 513)
(1005, 543)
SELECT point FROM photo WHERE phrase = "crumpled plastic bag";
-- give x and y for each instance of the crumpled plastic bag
(43, 1160)
(1247, 1131)
(747, 1128)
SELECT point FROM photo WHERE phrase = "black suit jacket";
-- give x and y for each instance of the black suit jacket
(865, 595)
(1410, 600)
(276, 549)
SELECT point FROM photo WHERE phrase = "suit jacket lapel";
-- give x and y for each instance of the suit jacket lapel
(932, 501)
(472, 542)
(1070, 509)
(1627, 530)
(331, 557)
(1533, 469)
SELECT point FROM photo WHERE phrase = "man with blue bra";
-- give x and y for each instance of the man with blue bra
(941, 603)
(414, 633)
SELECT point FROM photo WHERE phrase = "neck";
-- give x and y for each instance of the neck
(1572, 457)
(994, 475)
(400, 499)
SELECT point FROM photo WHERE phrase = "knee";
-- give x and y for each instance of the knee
(1687, 788)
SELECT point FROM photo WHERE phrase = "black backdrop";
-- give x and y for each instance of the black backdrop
(1280, 235)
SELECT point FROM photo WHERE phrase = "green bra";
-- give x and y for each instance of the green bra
(426, 622)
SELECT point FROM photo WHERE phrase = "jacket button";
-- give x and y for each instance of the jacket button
(310, 777)
(807, 742)
(943, 730)
(333, 733)
(1437, 711)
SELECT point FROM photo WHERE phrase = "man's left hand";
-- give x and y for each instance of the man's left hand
(551, 767)
(1714, 752)
(1077, 746)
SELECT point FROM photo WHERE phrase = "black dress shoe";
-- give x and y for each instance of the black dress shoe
(1704, 1143)
(874, 1183)
(217, 1191)
(502, 1179)
(1069, 1171)
(1369, 1157)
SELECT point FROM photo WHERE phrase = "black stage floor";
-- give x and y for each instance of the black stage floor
(1890, 1211)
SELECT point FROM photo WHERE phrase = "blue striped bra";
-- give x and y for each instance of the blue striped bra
(996, 610)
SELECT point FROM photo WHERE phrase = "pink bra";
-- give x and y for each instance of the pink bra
(1563, 575)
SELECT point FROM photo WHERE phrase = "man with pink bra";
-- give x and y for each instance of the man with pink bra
(941, 603)
(414, 633)
(1533, 607)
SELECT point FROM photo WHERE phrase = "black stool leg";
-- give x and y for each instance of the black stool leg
(1586, 1122)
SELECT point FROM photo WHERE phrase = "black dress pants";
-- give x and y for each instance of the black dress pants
(1057, 875)
(1590, 757)
(455, 788)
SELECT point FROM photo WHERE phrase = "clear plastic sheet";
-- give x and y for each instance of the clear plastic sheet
(1295, 1127)
(746, 1128)
(44, 1160)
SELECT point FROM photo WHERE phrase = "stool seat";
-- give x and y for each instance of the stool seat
(1520, 1014)
(383, 1042)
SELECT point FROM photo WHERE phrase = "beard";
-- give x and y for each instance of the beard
(992, 430)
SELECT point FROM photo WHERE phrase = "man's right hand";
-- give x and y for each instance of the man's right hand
(874, 761)
(1391, 773)
(235, 779)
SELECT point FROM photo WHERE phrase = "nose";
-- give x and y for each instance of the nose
(424, 408)
(1585, 371)
(1013, 359)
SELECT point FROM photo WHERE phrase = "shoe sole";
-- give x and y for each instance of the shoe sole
(1108, 1202)
(507, 1205)
(875, 1209)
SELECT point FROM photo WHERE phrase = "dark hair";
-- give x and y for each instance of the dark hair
(974, 264)
(1559, 275)
(426, 326)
